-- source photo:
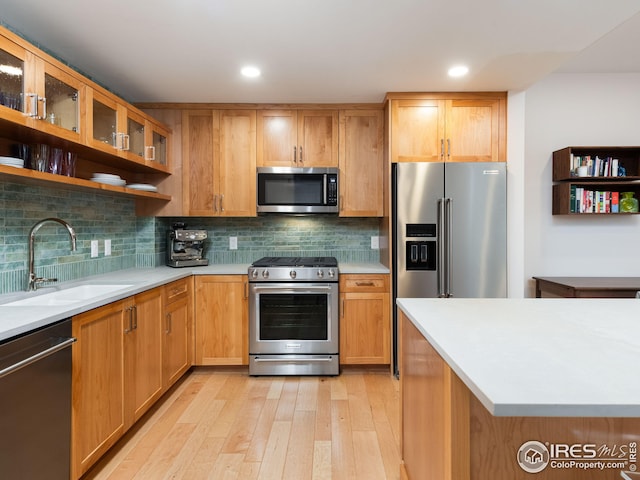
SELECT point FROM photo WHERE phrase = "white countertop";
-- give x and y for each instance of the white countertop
(16, 320)
(539, 357)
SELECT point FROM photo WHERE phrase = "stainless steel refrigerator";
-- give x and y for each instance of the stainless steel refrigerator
(449, 230)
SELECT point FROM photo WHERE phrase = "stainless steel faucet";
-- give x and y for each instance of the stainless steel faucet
(33, 280)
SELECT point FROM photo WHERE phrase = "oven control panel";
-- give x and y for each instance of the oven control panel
(301, 274)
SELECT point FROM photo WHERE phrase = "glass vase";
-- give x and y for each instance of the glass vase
(628, 203)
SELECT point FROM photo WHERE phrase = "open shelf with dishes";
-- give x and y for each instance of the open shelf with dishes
(34, 177)
(596, 180)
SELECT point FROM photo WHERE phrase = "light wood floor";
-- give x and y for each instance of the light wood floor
(227, 425)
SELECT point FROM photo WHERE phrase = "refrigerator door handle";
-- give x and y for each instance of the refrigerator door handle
(441, 238)
(447, 242)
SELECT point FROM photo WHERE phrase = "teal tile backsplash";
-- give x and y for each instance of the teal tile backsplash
(141, 241)
(94, 216)
(347, 239)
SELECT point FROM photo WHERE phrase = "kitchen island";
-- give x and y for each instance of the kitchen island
(508, 389)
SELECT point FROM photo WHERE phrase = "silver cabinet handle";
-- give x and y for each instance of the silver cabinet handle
(448, 148)
(295, 157)
(150, 152)
(169, 325)
(134, 311)
(215, 203)
(38, 356)
(130, 326)
(442, 148)
(221, 204)
(43, 100)
(301, 159)
(34, 110)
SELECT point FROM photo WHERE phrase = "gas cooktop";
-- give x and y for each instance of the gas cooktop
(294, 269)
(296, 262)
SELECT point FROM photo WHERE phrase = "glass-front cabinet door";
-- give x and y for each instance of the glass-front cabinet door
(134, 138)
(12, 80)
(156, 149)
(102, 121)
(60, 112)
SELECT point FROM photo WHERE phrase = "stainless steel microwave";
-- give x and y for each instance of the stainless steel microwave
(297, 190)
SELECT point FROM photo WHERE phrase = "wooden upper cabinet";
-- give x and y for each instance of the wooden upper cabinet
(473, 131)
(297, 138)
(361, 163)
(13, 86)
(37, 94)
(197, 162)
(62, 93)
(448, 127)
(237, 163)
(417, 130)
(43, 101)
(219, 162)
(277, 138)
(317, 138)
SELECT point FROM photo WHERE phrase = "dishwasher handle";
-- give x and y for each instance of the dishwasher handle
(64, 343)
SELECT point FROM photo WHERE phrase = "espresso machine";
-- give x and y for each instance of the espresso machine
(185, 247)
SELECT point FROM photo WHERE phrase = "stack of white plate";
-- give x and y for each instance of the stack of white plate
(12, 162)
(143, 186)
(109, 179)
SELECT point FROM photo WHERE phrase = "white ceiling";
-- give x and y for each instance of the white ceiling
(326, 51)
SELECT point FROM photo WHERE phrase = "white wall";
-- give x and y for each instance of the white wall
(565, 110)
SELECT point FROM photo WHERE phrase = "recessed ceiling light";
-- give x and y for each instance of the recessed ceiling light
(250, 71)
(458, 71)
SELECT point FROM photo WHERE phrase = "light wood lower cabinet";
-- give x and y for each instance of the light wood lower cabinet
(222, 320)
(177, 350)
(97, 416)
(143, 355)
(365, 326)
(123, 361)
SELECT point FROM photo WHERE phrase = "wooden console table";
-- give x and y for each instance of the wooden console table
(588, 287)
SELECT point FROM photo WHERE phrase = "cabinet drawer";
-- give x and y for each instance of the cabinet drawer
(177, 290)
(364, 283)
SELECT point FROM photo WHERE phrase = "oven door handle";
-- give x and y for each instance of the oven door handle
(300, 289)
(293, 360)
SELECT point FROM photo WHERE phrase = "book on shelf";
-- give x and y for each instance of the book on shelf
(615, 202)
(582, 200)
(596, 166)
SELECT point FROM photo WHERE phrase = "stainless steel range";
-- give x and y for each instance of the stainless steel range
(293, 316)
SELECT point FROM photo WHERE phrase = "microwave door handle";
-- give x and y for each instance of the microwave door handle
(324, 188)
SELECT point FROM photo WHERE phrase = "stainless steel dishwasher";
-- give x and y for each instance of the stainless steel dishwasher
(35, 404)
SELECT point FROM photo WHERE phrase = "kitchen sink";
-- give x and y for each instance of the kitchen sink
(67, 296)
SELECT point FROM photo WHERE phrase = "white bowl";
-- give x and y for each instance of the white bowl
(109, 181)
(105, 175)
